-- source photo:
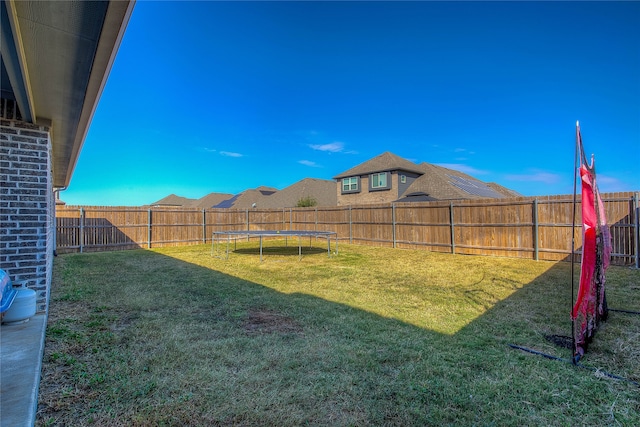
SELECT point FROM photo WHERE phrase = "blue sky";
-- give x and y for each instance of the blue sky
(225, 96)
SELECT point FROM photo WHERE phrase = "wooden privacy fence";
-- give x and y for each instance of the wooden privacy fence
(537, 228)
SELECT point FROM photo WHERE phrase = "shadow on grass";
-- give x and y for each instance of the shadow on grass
(281, 250)
(142, 338)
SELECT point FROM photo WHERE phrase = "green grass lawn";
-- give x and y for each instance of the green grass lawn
(372, 336)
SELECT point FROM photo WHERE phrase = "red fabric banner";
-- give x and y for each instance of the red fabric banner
(591, 305)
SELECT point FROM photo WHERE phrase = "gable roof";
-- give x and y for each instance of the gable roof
(385, 162)
(173, 200)
(322, 190)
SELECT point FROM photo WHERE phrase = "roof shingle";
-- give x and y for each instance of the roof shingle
(384, 162)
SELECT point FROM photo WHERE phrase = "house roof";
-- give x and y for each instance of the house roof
(56, 57)
(247, 198)
(503, 190)
(322, 190)
(210, 200)
(433, 183)
(385, 162)
(173, 200)
(447, 184)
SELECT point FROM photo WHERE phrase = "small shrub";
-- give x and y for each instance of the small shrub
(306, 202)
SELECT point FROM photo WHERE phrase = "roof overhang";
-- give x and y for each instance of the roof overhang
(56, 58)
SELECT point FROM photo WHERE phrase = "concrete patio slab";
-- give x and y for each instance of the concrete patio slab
(21, 350)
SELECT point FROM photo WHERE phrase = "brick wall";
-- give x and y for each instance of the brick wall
(27, 206)
(364, 196)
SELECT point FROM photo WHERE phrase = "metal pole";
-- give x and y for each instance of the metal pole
(247, 212)
(204, 226)
(578, 147)
(149, 228)
(636, 225)
(81, 230)
(453, 234)
(536, 234)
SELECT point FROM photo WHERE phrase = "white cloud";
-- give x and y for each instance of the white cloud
(230, 154)
(609, 184)
(334, 147)
(535, 176)
(462, 168)
(309, 163)
(604, 179)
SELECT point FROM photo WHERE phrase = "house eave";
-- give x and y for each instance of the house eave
(58, 56)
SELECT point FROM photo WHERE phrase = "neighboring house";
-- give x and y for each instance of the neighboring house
(386, 178)
(383, 179)
(390, 178)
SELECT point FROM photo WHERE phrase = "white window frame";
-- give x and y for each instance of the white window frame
(351, 183)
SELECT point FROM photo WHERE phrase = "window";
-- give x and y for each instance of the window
(403, 179)
(379, 180)
(349, 184)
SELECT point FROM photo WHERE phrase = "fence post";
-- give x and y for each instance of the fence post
(149, 228)
(453, 234)
(535, 229)
(204, 226)
(290, 218)
(636, 225)
(81, 230)
(393, 223)
(350, 227)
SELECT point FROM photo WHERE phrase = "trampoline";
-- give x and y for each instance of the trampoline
(219, 239)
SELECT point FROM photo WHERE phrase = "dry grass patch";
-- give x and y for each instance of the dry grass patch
(374, 336)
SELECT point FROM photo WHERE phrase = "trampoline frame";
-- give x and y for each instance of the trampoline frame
(218, 239)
